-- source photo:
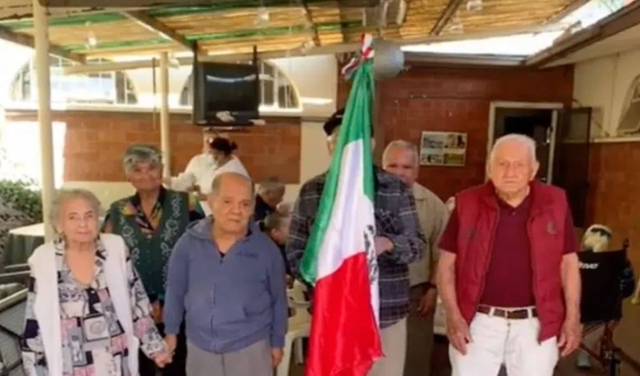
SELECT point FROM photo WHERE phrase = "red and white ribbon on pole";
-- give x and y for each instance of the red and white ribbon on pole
(366, 52)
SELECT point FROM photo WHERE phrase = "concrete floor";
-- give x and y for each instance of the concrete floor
(627, 337)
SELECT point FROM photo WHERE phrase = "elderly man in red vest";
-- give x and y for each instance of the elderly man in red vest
(508, 274)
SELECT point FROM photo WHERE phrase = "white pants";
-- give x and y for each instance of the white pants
(497, 340)
(394, 346)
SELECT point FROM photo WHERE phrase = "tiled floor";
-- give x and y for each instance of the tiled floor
(627, 337)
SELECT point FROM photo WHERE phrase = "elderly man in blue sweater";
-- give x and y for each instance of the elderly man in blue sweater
(227, 278)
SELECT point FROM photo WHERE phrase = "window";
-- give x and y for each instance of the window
(630, 119)
(276, 91)
(107, 88)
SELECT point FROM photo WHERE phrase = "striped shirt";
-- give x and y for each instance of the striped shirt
(396, 219)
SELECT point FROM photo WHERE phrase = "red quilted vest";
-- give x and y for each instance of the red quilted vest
(477, 209)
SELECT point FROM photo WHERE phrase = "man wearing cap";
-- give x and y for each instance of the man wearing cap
(399, 241)
(151, 222)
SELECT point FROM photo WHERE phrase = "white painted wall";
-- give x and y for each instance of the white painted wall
(603, 84)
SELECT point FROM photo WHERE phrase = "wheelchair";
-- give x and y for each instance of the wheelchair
(601, 306)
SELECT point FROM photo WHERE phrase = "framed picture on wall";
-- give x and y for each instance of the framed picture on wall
(443, 149)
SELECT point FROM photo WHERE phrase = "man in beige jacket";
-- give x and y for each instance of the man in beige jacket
(401, 159)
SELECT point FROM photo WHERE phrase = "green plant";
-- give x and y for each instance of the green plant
(22, 196)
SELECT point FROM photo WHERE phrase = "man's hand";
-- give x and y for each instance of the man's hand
(428, 303)
(156, 312)
(162, 359)
(570, 336)
(276, 357)
(382, 244)
(458, 333)
(171, 341)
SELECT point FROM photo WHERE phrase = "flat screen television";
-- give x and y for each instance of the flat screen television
(225, 94)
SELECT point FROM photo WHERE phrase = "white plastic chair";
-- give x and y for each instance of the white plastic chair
(299, 326)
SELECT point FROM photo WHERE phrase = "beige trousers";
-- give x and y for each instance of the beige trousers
(394, 346)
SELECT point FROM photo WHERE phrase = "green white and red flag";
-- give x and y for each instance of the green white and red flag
(340, 258)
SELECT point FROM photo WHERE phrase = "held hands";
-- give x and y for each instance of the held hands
(458, 332)
(162, 359)
(276, 357)
(166, 357)
(382, 244)
(570, 336)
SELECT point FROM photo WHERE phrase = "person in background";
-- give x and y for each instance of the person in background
(508, 273)
(198, 167)
(151, 222)
(87, 311)
(229, 279)
(399, 242)
(223, 153)
(401, 159)
(276, 226)
(270, 195)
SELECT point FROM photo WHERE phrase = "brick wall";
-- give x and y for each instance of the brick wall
(613, 196)
(458, 100)
(96, 140)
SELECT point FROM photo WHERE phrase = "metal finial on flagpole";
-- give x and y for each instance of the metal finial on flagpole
(366, 53)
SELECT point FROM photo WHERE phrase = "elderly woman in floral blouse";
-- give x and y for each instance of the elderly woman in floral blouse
(87, 310)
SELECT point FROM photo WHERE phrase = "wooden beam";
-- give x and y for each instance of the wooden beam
(150, 23)
(309, 18)
(344, 48)
(446, 15)
(577, 4)
(623, 19)
(28, 41)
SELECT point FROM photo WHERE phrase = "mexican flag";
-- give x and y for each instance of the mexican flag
(340, 259)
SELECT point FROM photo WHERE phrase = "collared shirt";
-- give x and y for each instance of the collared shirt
(433, 216)
(149, 224)
(510, 258)
(396, 219)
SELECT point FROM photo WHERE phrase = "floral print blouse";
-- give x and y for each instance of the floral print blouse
(93, 340)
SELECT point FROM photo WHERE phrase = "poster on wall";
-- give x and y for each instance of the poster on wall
(443, 149)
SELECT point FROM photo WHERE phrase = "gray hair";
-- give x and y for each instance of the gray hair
(137, 154)
(274, 221)
(271, 185)
(65, 195)
(403, 145)
(523, 140)
(217, 181)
